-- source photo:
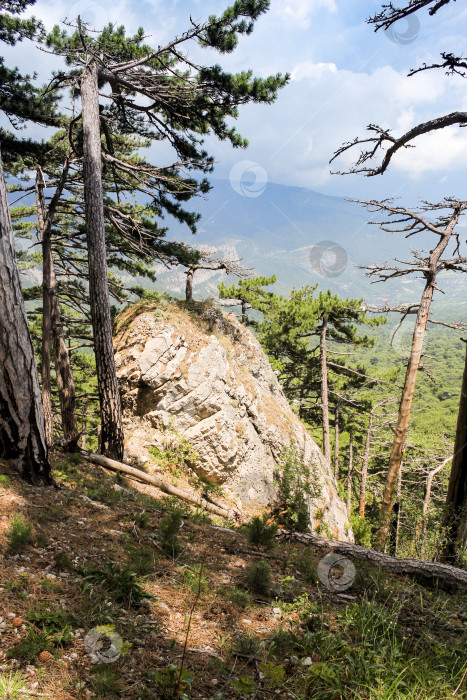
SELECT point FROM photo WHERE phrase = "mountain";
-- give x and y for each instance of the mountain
(304, 238)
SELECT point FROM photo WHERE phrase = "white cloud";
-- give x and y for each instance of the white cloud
(300, 11)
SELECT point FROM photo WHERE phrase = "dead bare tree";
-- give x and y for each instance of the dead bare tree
(208, 259)
(399, 219)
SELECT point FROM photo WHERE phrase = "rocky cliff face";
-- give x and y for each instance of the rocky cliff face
(204, 375)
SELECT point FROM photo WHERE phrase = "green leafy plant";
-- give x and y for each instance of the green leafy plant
(260, 532)
(19, 534)
(258, 577)
(31, 646)
(273, 674)
(243, 685)
(166, 680)
(141, 560)
(121, 582)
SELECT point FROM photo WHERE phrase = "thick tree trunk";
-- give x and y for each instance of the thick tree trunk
(22, 429)
(425, 572)
(109, 398)
(189, 284)
(336, 443)
(349, 477)
(52, 320)
(324, 392)
(365, 461)
(455, 520)
(404, 416)
(399, 510)
(46, 310)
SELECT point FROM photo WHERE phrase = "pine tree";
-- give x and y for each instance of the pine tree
(22, 427)
(186, 102)
(248, 293)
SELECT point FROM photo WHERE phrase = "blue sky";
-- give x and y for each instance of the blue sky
(344, 76)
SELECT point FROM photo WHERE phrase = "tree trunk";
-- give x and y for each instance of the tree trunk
(109, 398)
(399, 510)
(189, 284)
(365, 461)
(336, 443)
(324, 392)
(455, 520)
(244, 313)
(22, 428)
(404, 415)
(46, 309)
(51, 306)
(349, 477)
(425, 572)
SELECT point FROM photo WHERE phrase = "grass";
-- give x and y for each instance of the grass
(12, 685)
(19, 534)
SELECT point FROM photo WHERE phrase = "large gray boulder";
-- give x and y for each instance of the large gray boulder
(207, 378)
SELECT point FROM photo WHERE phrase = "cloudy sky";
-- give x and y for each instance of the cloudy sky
(344, 76)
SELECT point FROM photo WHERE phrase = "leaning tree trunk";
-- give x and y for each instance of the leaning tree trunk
(324, 392)
(22, 429)
(109, 398)
(404, 415)
(455, 520)
(52, 318)
(365, 461)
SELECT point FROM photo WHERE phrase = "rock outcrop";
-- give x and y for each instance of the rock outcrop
(205, 376)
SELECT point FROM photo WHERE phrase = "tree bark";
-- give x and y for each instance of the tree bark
(336, 443)
(109, 398)
(22, 427)
(349, 477)
(46, 310)
(52, 320)
(365, 461)
(455, 520)
(404, 415)
(189, 284)
(162, 485)
(430, 271)
(324, 392)
(244, 313)
(425, 572)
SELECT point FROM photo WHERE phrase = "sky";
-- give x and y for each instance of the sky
(343, 77)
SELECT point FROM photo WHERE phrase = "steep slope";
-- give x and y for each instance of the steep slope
(203, 376)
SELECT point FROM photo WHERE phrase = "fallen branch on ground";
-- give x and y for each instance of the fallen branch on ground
(425, 572)
(154, 481)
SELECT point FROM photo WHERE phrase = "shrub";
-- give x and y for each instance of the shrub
(240, 598)
(120, 581)
(4, 481)
(258, 577)
(361, 529)
(295, 486)
(19, 534)
(105, 682)
(259, 532)
(169, 527)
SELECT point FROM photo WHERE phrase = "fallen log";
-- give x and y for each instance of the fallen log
(425, 572)
(154, 481)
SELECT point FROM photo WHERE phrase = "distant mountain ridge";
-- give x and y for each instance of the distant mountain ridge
(277, 231)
